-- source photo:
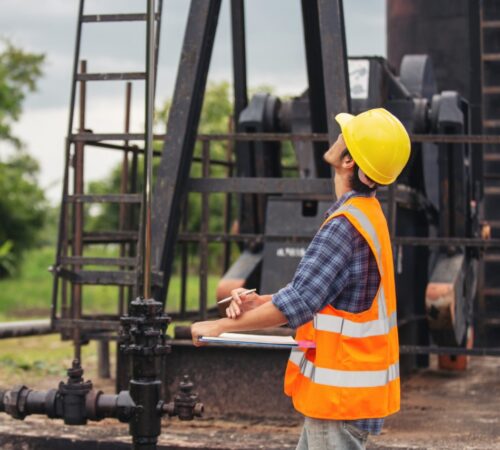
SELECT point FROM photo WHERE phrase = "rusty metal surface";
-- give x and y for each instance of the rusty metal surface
(203, 243)
(104, 198)
(313, 137)
(233, 381)
(111, 76)
(116, 17)
(99, 277)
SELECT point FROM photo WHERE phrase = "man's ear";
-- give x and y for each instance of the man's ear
(348, 162)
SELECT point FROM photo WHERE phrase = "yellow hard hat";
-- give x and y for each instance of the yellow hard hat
(378, 143)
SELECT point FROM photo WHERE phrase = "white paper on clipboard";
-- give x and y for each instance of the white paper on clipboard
(257, 340)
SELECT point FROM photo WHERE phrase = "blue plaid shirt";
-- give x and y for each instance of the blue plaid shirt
(338, 268)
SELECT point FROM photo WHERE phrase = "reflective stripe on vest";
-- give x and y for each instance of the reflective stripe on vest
(360, 216)
(336, 324)
(343, 378)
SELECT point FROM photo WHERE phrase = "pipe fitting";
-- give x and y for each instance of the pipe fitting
(185, 405)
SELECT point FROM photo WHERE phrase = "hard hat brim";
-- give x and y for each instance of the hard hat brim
(343, 118)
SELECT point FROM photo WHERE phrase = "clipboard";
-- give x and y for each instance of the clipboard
(257, 340)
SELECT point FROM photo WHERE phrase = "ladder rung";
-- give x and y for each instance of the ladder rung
(491, 123)
(86, 324)
(490, 321)
(491, 89)
(85, 261)
(491, 56)
(491, 24)
(491, 292)
(97, 137)
(492, 190)
(116, 17)
(108, 237)
(98, 277)
(492, 257)
(106, 277)
(111, 76)
(491, 157)
(104, 198)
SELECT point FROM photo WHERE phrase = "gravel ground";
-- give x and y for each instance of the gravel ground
(440, 410)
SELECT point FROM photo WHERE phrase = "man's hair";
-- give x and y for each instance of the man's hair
(356, 183)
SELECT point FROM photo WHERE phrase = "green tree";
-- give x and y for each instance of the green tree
(22, 207)
(22, 202)
(19, 72)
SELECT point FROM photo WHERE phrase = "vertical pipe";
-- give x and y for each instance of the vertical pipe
(204, 231)
(228, 199)
(184, 260)
(65, 283)
(62, 214)
(124, 182)
(148, 153)
(103, 358)
(78, 188)
(157, 42)
(133, 216)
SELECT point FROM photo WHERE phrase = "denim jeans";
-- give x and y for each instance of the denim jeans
(331, 434)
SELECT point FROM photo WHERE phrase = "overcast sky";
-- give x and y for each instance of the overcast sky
(275, 56)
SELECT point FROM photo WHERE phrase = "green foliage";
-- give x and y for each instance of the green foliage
(22, 207)
(19, 72)
(7, 260)
(22, 202)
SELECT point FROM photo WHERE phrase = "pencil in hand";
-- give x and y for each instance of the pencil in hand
(229, 299)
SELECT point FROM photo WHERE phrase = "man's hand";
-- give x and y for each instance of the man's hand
(210, 328)
(242, 302)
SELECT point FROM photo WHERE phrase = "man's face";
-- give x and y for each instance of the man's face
(333, 155)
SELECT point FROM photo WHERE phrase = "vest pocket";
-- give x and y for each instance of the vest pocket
(357, 353)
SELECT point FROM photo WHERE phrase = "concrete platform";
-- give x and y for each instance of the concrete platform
(440, 410)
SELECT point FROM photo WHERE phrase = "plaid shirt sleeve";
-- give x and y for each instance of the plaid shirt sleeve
(321, 275)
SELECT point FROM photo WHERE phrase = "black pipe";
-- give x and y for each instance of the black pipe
(25, 328)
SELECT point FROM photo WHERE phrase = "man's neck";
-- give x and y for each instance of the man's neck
(342, 184)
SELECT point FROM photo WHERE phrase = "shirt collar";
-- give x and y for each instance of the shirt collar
(344, 198)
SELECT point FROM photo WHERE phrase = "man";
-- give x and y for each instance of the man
(342, 296)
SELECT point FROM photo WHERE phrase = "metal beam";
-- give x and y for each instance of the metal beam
(183, 120)
(239, 58)
(335, 73)
(252, 185)
(316, 81)
(314, 137)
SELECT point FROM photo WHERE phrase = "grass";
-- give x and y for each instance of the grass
(28, 294)
(40, 362)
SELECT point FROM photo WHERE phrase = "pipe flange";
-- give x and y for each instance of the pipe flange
(15, 401)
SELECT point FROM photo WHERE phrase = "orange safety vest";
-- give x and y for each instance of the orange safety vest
(353, 373)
